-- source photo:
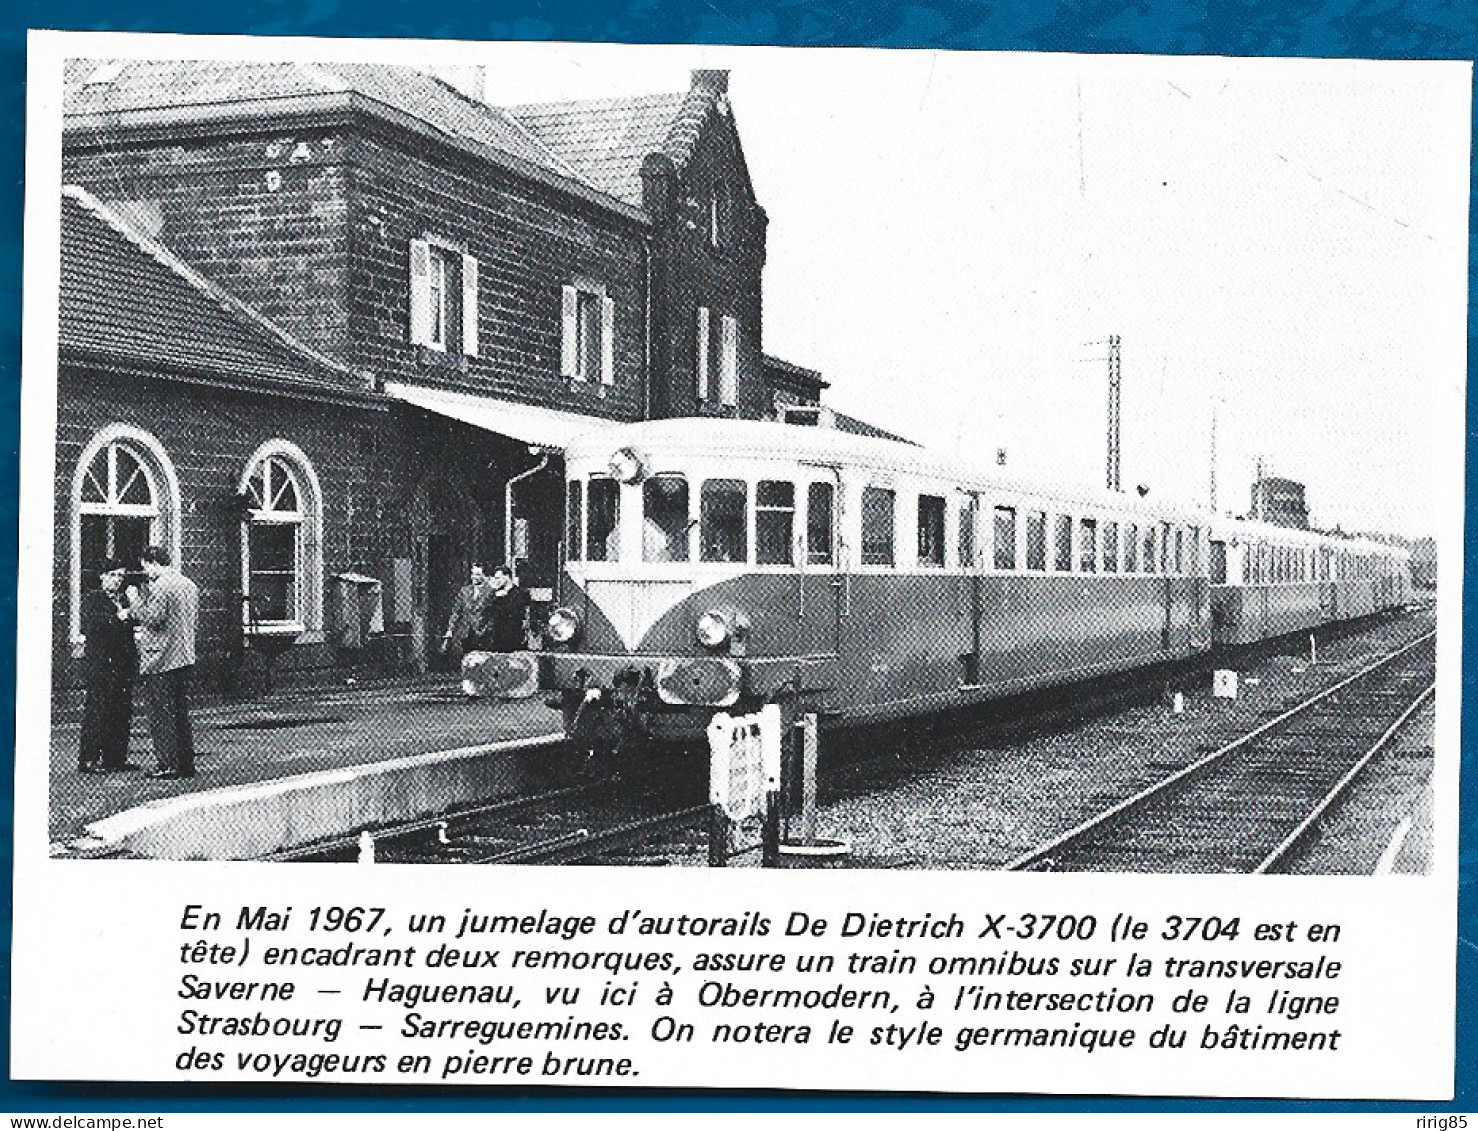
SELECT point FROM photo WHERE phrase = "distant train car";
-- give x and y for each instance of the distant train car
(1268, 581)
(723, 564)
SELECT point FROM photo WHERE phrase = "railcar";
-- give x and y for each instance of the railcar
(717, 565)
(1268, 581)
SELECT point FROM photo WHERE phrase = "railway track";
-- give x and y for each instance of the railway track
(1247, 805)
(611, 817)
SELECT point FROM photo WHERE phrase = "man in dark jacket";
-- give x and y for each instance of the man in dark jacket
(507, 613)
(110, 663)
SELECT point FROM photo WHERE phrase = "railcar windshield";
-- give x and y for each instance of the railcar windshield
(575, 521)
(665, 522)
(724, 522)
(1111, 547)
(1131, 548)
(774, 522)
(1218, 562)
(603, 529)
(1088, 551)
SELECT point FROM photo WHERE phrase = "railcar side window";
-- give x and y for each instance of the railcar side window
(1088, 552)
(877, 526)
(1131, 548)
(1218, 562)
(931, 530)
(1062, 543)
(603, 529)
(819, 509)
(1164, 547)
(1036, 540)
(1195, 549)
(1179, 550)
(1149, 549)
(967, 534)
(575, 521)
(665, 519)
(724, 520)
(1111, 547)
(1005, 531)
(774, 522)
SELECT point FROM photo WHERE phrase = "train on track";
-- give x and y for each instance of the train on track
(717, 565)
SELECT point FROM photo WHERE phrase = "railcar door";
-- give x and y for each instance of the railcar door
(823, 565)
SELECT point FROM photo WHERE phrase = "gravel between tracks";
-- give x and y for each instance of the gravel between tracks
(977, 808)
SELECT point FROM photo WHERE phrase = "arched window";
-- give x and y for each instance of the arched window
(125, 498)
(281, 542)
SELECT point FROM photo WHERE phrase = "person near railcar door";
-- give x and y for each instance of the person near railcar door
(110, 664)
(508, 613)
(167, 617)
(468, 624)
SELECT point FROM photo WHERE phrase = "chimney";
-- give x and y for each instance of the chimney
(711, 82)
(468, 78)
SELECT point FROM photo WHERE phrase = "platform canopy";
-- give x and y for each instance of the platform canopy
(529, 424)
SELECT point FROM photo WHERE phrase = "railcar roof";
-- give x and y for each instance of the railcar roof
(727, 439)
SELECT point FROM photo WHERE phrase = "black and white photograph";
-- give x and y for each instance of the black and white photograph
(1043, 446)
(742, 461)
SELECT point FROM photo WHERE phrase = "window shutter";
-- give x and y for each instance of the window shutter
(420, 293)
(607, 341)
(701, 365)
(569, 365)
(469, 305)
(729, 364)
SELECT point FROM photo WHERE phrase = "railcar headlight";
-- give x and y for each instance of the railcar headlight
(563, 624)
(712, 628)
(627, 465)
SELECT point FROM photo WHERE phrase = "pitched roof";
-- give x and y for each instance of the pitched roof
(95, 86)
(606, 140)
(125, 299)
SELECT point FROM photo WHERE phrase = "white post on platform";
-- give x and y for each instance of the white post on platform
(366, 848)
(808, 779)
(1313, 651)
(1179, 703)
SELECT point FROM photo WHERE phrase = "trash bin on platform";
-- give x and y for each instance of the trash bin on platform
(358, 610)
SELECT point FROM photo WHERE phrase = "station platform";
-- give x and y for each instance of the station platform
(291, 766)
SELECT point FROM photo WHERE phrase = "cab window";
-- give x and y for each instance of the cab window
(967, 534)
(574, 520)
(774, 522)
(665, 519)
(1131, 548)
(1036, 540)
(603, 526)
(724, 520)
(1088, 551)
(1111, 547)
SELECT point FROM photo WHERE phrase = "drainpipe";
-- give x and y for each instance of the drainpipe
(543, 454)
(647, 376)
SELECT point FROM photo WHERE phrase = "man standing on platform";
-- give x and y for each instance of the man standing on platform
(167, 619)
(468, 626)
(508, 612)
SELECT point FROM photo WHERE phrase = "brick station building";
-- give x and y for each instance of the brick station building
(325, 329)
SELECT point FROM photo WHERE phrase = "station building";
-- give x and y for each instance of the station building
(325, 330)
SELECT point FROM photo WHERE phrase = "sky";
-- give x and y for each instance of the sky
(955, 235)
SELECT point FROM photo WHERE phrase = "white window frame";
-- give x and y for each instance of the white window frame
(307, 622)
(430, 297)
(728, 361)
(571, 356)
(164, 515)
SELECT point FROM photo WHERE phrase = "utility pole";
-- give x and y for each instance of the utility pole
(1259, 488)
(1214, 407)
(1115, 381)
